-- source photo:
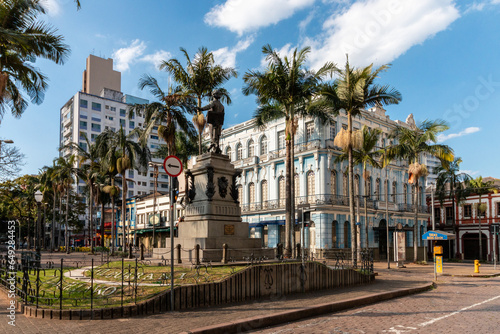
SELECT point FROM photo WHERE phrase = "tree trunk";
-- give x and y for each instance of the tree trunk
(292, 191)
(59, 237)
(102, 224)
(367, 244)
(480, 234)
(53, 229)
(42, 226)
(415, 224)
(66, 239)
(351, 189)
(288, 200)
(91, 215)
(124, 214)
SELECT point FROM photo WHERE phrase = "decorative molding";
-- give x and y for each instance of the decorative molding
(210, 192)
(192, 190)
(234, 188)
(222, 183)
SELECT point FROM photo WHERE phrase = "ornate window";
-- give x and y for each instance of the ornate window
(333, 130)
(309, 131)
(263, 191)
(310, 186)
(281, 190)
(333, 182)
(369, 187)
(228, 153)
(240, 193)
(394, 195)
(334, 234)
(263, 145)
(239, 152)
(378, 189)
(405, 193)
(251, 193)
(356, 185)
(296, 185)
(250, 148)
(281, 140)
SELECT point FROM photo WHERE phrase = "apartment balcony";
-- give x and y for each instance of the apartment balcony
(329, 144)
(404, 207)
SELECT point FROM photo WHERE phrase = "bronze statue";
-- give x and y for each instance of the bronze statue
(215, 120)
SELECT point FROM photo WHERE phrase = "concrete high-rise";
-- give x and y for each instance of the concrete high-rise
(101, 105)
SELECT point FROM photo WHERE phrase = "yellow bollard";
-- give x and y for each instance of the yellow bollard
(476, 266)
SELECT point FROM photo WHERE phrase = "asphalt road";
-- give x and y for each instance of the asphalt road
(458, 305)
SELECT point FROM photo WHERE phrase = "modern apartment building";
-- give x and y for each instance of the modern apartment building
(322, 182)
(101, 105)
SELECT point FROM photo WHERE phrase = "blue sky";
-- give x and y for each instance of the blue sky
(444, 57)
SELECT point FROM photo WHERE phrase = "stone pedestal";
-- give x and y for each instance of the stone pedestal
(213, 213)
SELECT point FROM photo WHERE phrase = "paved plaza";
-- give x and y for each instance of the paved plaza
(457, 300)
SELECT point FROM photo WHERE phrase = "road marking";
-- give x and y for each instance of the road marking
(399, 329)
(457, 312)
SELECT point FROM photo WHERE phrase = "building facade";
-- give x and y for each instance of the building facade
(463, 220)
(101, 105)
(321, 182)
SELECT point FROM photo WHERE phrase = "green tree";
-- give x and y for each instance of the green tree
(23, 38)
(198, 79)
(412, 142)
(167, 115)
(353, 91)
(122, 152)
(284, 90)
(479, 187)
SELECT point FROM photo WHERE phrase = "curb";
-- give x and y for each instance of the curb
(306, 312)
(472, 275)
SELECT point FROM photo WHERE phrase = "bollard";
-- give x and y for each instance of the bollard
(476, 266)
(224, 253)
(197, 254)
(279, 250)
(178, 247)
(142, 251)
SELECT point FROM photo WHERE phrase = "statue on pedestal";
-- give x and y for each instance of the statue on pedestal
(215, 120)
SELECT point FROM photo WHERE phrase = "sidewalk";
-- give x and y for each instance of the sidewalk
(255, 314)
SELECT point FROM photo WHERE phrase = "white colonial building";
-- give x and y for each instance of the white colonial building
(321, 182)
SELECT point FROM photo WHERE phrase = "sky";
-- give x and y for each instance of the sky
(443, 54)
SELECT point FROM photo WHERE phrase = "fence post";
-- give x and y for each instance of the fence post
(142, 251)
(135, 287)
(178, 247)
(122, 291)
(37, 285)
(197, 253)
(61, 289)
(92, 288)
(224, 253)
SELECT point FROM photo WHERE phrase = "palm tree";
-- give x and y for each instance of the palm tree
(198, 79)
(354, 91)
(366, 154)
(167, 115)
(285, 90)
(480, 188)
(122, 152)
(23, 38)
(66, 173)
(411, 143)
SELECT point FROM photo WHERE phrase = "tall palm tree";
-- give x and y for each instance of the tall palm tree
(479, 187)
(353, 91)
(66, 173)
(365, 154)
(23, 38)
(412, 142)
(285, 90)
(167, 115)
(198, 79)
(123, 152)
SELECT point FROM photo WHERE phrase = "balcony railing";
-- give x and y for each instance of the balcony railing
(404, 207)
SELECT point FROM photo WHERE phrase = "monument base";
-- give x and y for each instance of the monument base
(213, 215)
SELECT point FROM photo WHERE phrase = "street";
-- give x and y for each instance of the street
(458, 305)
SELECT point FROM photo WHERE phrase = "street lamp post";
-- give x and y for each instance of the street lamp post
(38, 199)
(155, 175)
(387, 208)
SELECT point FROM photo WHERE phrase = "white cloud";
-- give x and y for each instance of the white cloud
(157, 57)
(468, 171)
(126, 56)
(379, 31)
(226, 57)
(441, 138)
(243, 15)
(52, 7)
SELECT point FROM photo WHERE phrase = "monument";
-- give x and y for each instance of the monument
(212, 216)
